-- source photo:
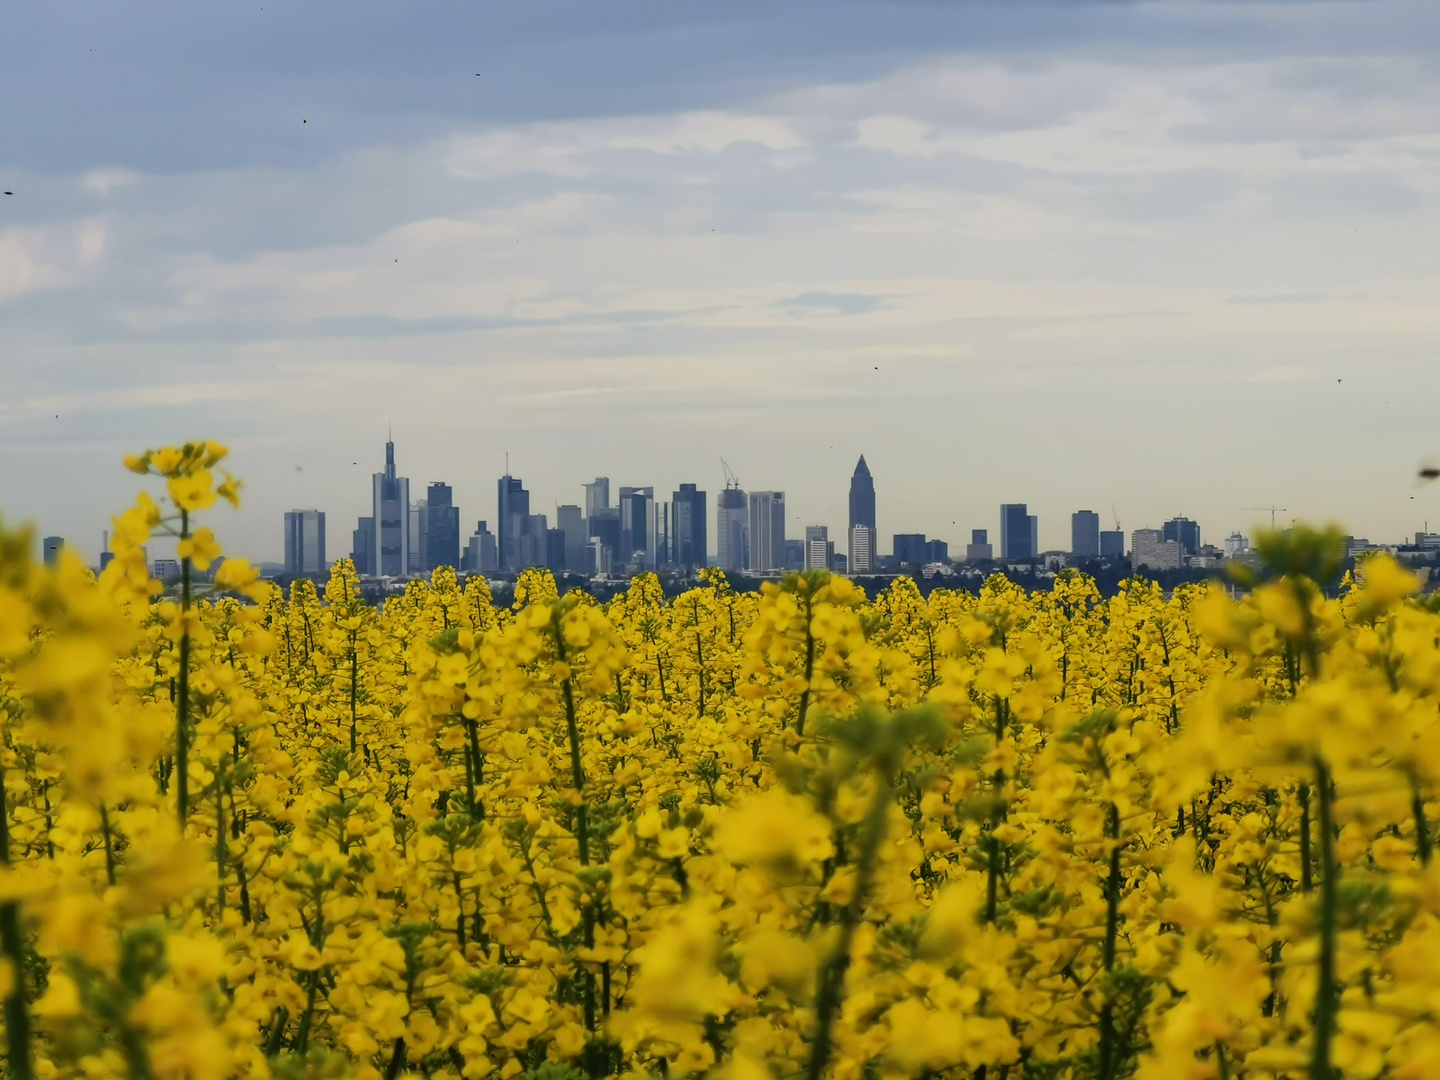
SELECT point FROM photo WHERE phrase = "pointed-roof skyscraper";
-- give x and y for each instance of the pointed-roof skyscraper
(862, 496)
(861, 534)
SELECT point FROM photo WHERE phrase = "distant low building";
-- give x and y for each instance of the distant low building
(909, 548)
(979, 549)
(1085, 534)
(165, 569)
(1150, 550)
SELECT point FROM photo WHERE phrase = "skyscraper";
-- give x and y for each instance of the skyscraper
(514, 508)
(979, 550)
(732, 530)
(571, 522)
(862, 495)
(861, 558)
(637, 526)
(688, 533)
(597, 496)
(390, 498)
(1016, 529)
(442, 528)
(1184, 532)
(362, 546)
(1085, 534)
(419, 536)
(767, 531)
(480, 555)
(534, 543)
(603, 527)
(51, 549)
(861, 545)
(1112, 544)
(819, 551)
(304, 542)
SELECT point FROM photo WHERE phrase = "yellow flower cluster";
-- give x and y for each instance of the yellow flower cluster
(804, 833)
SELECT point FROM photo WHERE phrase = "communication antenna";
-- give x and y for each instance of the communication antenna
(1271, 510)
(732, 482)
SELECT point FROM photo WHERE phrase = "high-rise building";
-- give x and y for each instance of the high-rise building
(688, 532)
(862, 513)
(597, 496)
(419, 536)
(390, 497)
(571, 522)
(362, 546)
(909, 548)
(794, 555)
(51, 549)
(661, 525)
(979, 549)
(732, 530)
(637, 525)
(514, 508)
(1149, 548)
(604, 526)
(819, 550)
(861, 556)
(106, 555)
(937, 551)
(534, 545)
(304, 542)
(481, 556)
(165, 570)
(862, 495)
(1085, 534)
(442, 528)
(597, 557)
(1112, 544)
(555, 550)
(1017, 528)
(767, 531)
(1184, 532)
(1236, 544)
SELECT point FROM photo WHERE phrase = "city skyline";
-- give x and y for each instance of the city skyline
(1008, 257)
(1049, 530)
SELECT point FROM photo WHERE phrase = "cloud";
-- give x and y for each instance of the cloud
(1073, 247)
(840, 303)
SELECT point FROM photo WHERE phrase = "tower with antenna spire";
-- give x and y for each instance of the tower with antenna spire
(390, 504)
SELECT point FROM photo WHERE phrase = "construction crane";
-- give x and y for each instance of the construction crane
(732, 482)
(1271, 510)
(1116, 515)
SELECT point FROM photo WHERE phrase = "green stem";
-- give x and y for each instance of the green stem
(182, 698)
(832, 974)
(1306, 874)
(809, 667)
(1422, 825)
(1109, 1064)
(12, 945)
(109, 845)
(1327, 998)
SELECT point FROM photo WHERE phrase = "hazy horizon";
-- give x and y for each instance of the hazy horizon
(1178, 257)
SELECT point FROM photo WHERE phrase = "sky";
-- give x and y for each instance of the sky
(1150, 259)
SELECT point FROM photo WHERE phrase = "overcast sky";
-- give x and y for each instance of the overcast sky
(1178, 257)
